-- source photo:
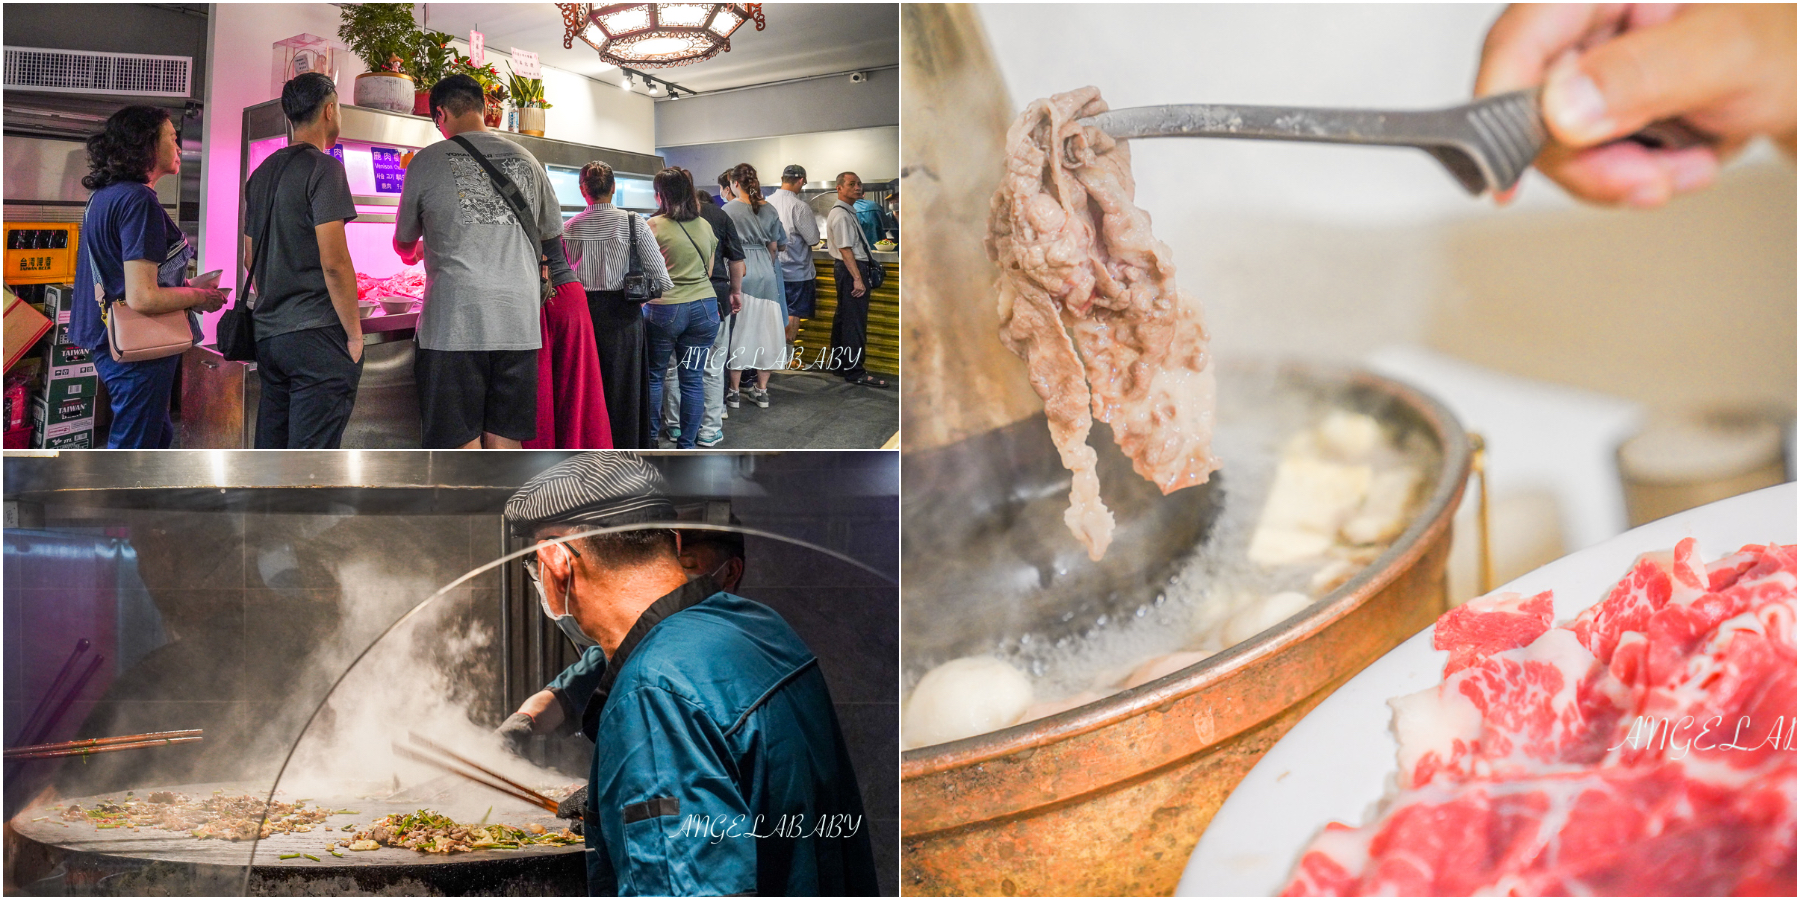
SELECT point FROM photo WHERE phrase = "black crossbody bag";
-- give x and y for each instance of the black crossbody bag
(872, 272)
(236, 336)
(521, 211)
(637, 285)
(724, 302)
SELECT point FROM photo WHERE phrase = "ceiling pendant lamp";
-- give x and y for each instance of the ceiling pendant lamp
(656, 35)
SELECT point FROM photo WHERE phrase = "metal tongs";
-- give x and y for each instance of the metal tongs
(1486, 145)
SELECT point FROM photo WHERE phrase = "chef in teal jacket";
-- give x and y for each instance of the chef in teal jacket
(719, 767)
(558, 707)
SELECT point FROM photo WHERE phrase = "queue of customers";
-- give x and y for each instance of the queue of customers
(534, 333)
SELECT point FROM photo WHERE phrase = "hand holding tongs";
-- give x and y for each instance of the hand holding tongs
(1486, 145)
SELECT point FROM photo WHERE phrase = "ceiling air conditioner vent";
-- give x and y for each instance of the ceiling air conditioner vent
(85, 72)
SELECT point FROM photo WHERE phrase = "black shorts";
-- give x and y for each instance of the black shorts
(801, 297)
(463, 393)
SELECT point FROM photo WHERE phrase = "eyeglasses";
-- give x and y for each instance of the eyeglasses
(531, 563)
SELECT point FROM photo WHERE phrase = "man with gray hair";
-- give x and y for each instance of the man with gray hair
(850, 253)
(711, 720)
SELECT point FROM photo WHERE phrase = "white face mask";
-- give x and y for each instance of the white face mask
(714, 574)
(565, 622)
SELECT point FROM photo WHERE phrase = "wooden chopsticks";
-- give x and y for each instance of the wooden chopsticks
(105, 744)
(487, 777)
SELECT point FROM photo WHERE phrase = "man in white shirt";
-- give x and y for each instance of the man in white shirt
(797, 271)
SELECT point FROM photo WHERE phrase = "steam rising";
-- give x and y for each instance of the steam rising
(425, 677)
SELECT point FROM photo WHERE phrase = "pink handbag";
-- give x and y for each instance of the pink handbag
(135, 337)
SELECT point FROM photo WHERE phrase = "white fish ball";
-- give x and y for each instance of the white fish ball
(963, 698)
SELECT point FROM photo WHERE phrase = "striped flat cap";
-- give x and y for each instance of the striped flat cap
(599, 489)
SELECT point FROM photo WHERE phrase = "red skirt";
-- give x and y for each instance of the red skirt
(571, 409)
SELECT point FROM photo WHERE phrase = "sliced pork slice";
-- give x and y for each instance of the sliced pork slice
(1088, 299)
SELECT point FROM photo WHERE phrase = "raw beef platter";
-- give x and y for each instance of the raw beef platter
(1644, 747)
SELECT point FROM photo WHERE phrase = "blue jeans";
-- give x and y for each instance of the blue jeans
(685, 330)
(139, 393)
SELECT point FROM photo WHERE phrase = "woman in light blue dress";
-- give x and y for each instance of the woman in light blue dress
(758, 332)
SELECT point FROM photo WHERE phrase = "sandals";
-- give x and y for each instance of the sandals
(867, 380)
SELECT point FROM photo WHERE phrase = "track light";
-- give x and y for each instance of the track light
(626, 84)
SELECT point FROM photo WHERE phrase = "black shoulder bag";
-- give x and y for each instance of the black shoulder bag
(521, 211)
(637, 286)
(236, 336)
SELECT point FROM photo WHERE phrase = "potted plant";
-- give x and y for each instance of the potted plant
(432, 59)
(382, 35)
(489, 79)
(528, 98)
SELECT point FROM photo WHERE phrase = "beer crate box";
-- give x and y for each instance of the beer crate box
(58, 300)
(58, 391)
(67, 424)
(66, 361)
(62, 359)
(71, 409)
(66, 436)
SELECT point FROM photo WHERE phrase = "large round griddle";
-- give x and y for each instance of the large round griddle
(522, 872)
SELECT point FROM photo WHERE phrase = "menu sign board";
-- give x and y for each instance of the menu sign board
(390, 172)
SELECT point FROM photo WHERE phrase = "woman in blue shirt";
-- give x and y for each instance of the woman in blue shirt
(131, 247)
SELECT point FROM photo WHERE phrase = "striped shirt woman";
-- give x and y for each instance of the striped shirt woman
(598, 245)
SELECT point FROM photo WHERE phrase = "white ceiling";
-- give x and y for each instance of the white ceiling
(801, 39)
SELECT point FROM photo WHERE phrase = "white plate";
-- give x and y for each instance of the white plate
(1338, 763)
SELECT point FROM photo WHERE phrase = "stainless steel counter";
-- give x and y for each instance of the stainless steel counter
(219, 397)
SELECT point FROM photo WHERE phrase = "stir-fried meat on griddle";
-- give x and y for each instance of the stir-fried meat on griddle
(1088, 299)
(428, 832)
(229, 818)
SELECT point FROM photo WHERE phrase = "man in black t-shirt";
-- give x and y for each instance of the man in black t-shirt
(309, 340)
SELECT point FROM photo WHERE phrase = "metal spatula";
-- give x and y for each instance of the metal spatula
(1486, 144)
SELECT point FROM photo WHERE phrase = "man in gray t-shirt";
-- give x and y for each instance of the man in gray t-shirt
(798, 273)
(479, 334)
